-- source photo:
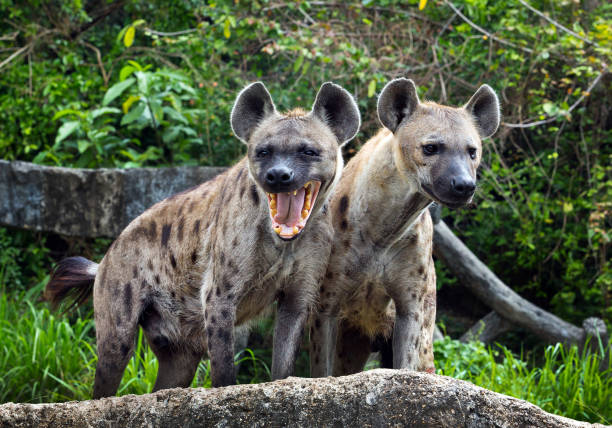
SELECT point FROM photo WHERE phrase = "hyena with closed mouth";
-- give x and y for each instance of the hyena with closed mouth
(381, 278)
(201, 262)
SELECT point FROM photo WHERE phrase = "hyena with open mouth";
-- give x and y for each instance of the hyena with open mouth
(201, 262)
(379, 291)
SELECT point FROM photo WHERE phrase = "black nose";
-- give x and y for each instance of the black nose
(279, 176)
(463, 186)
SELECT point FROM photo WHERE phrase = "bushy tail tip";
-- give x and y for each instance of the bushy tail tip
(73, 278)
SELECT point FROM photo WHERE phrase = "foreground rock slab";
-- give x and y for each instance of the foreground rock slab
(370, 399)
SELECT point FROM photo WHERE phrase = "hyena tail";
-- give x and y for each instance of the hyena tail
(73, 278)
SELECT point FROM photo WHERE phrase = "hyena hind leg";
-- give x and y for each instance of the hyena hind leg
(352, 350)
(115, 348)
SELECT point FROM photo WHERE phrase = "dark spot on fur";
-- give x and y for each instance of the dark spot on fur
(218, 291)
(194, 256)
(208, 296)
(196, 227)
(173, 294)
(213, 320)
(127, 298)
(152, 230)
(254, 195)
(321, 289)
(317, 323)
(172, 261)
(134, 271)
(230, 296)
(166, 234)
(150, 264)
(225, 314)
(161, 341)
(347, 244)
(235, 242)
(124, 349)
(329, 275)
(343, 224)
(222, 257)
(413, 295)
(157, 279)
(181, 225)
(344, 202)
(421, 270)
(369, 290)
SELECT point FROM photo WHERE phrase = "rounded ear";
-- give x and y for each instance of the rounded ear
(484, 107)
(397, 101)
(253, 105)
(337, 108)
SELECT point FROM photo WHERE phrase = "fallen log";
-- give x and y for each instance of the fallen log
(476, 276)
(374, 398)
(487, 328)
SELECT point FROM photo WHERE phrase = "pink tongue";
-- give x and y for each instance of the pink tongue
(289, 207)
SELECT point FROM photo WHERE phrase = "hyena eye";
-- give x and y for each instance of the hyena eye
(472, 152)
(262, 153)
(310, 153)
(430, 149)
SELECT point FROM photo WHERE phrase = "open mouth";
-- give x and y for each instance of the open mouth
(290, 211)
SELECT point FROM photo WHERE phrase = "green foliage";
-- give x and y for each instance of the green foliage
(568, 382)
(23, 259)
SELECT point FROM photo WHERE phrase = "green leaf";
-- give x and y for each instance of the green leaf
(116, 90)
(83, 145)
(133, 115)
(297, 64)
(68, 111)
(226, 29)
(126, 71)
(66, 130)
(104, 110)
(372, 88)
(128, 39)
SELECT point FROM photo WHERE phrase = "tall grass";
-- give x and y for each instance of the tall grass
(572, 383)
(47, 358)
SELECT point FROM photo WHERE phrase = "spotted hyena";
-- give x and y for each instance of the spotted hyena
(194, 266)
(380, 285)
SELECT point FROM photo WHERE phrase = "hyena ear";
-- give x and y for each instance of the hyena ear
(253, 105)
(484, 107)
(397, 101)
(337, 108)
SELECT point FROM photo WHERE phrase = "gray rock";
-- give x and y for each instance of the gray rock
(87, 202)
(369, 399)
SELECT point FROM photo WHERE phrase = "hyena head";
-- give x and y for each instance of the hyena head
(440, 146)
(295, 157)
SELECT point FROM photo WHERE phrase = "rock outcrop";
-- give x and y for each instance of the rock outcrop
(369, 399)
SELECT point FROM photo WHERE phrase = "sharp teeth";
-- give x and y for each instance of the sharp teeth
(295, 230)
(273, 204)
(277, 229)
(273, 212)
(295, 192)
(304, 213)
(307, 204)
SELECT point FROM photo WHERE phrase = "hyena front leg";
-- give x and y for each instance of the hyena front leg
(291, 315)
(220, 317)
(409, 322)
(323, 332)
(428, 308)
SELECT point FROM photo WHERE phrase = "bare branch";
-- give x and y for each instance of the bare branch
(555, 23)
(572, 107)
(15, 55)
(173, 34)
(483, 31)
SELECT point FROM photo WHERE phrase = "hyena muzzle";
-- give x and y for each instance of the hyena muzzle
(198, 264)
(379, 292)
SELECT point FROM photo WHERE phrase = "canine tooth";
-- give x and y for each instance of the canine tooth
(304, 213)
(277, 229)
(307, 204)
(295, 230)
(295, 192)
(273, 203)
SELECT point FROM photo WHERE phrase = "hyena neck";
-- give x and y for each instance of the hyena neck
(390, 198)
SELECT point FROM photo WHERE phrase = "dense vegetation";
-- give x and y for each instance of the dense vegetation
(128, 83)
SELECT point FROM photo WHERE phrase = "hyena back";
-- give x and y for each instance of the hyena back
(380, 287)
(201, 262)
